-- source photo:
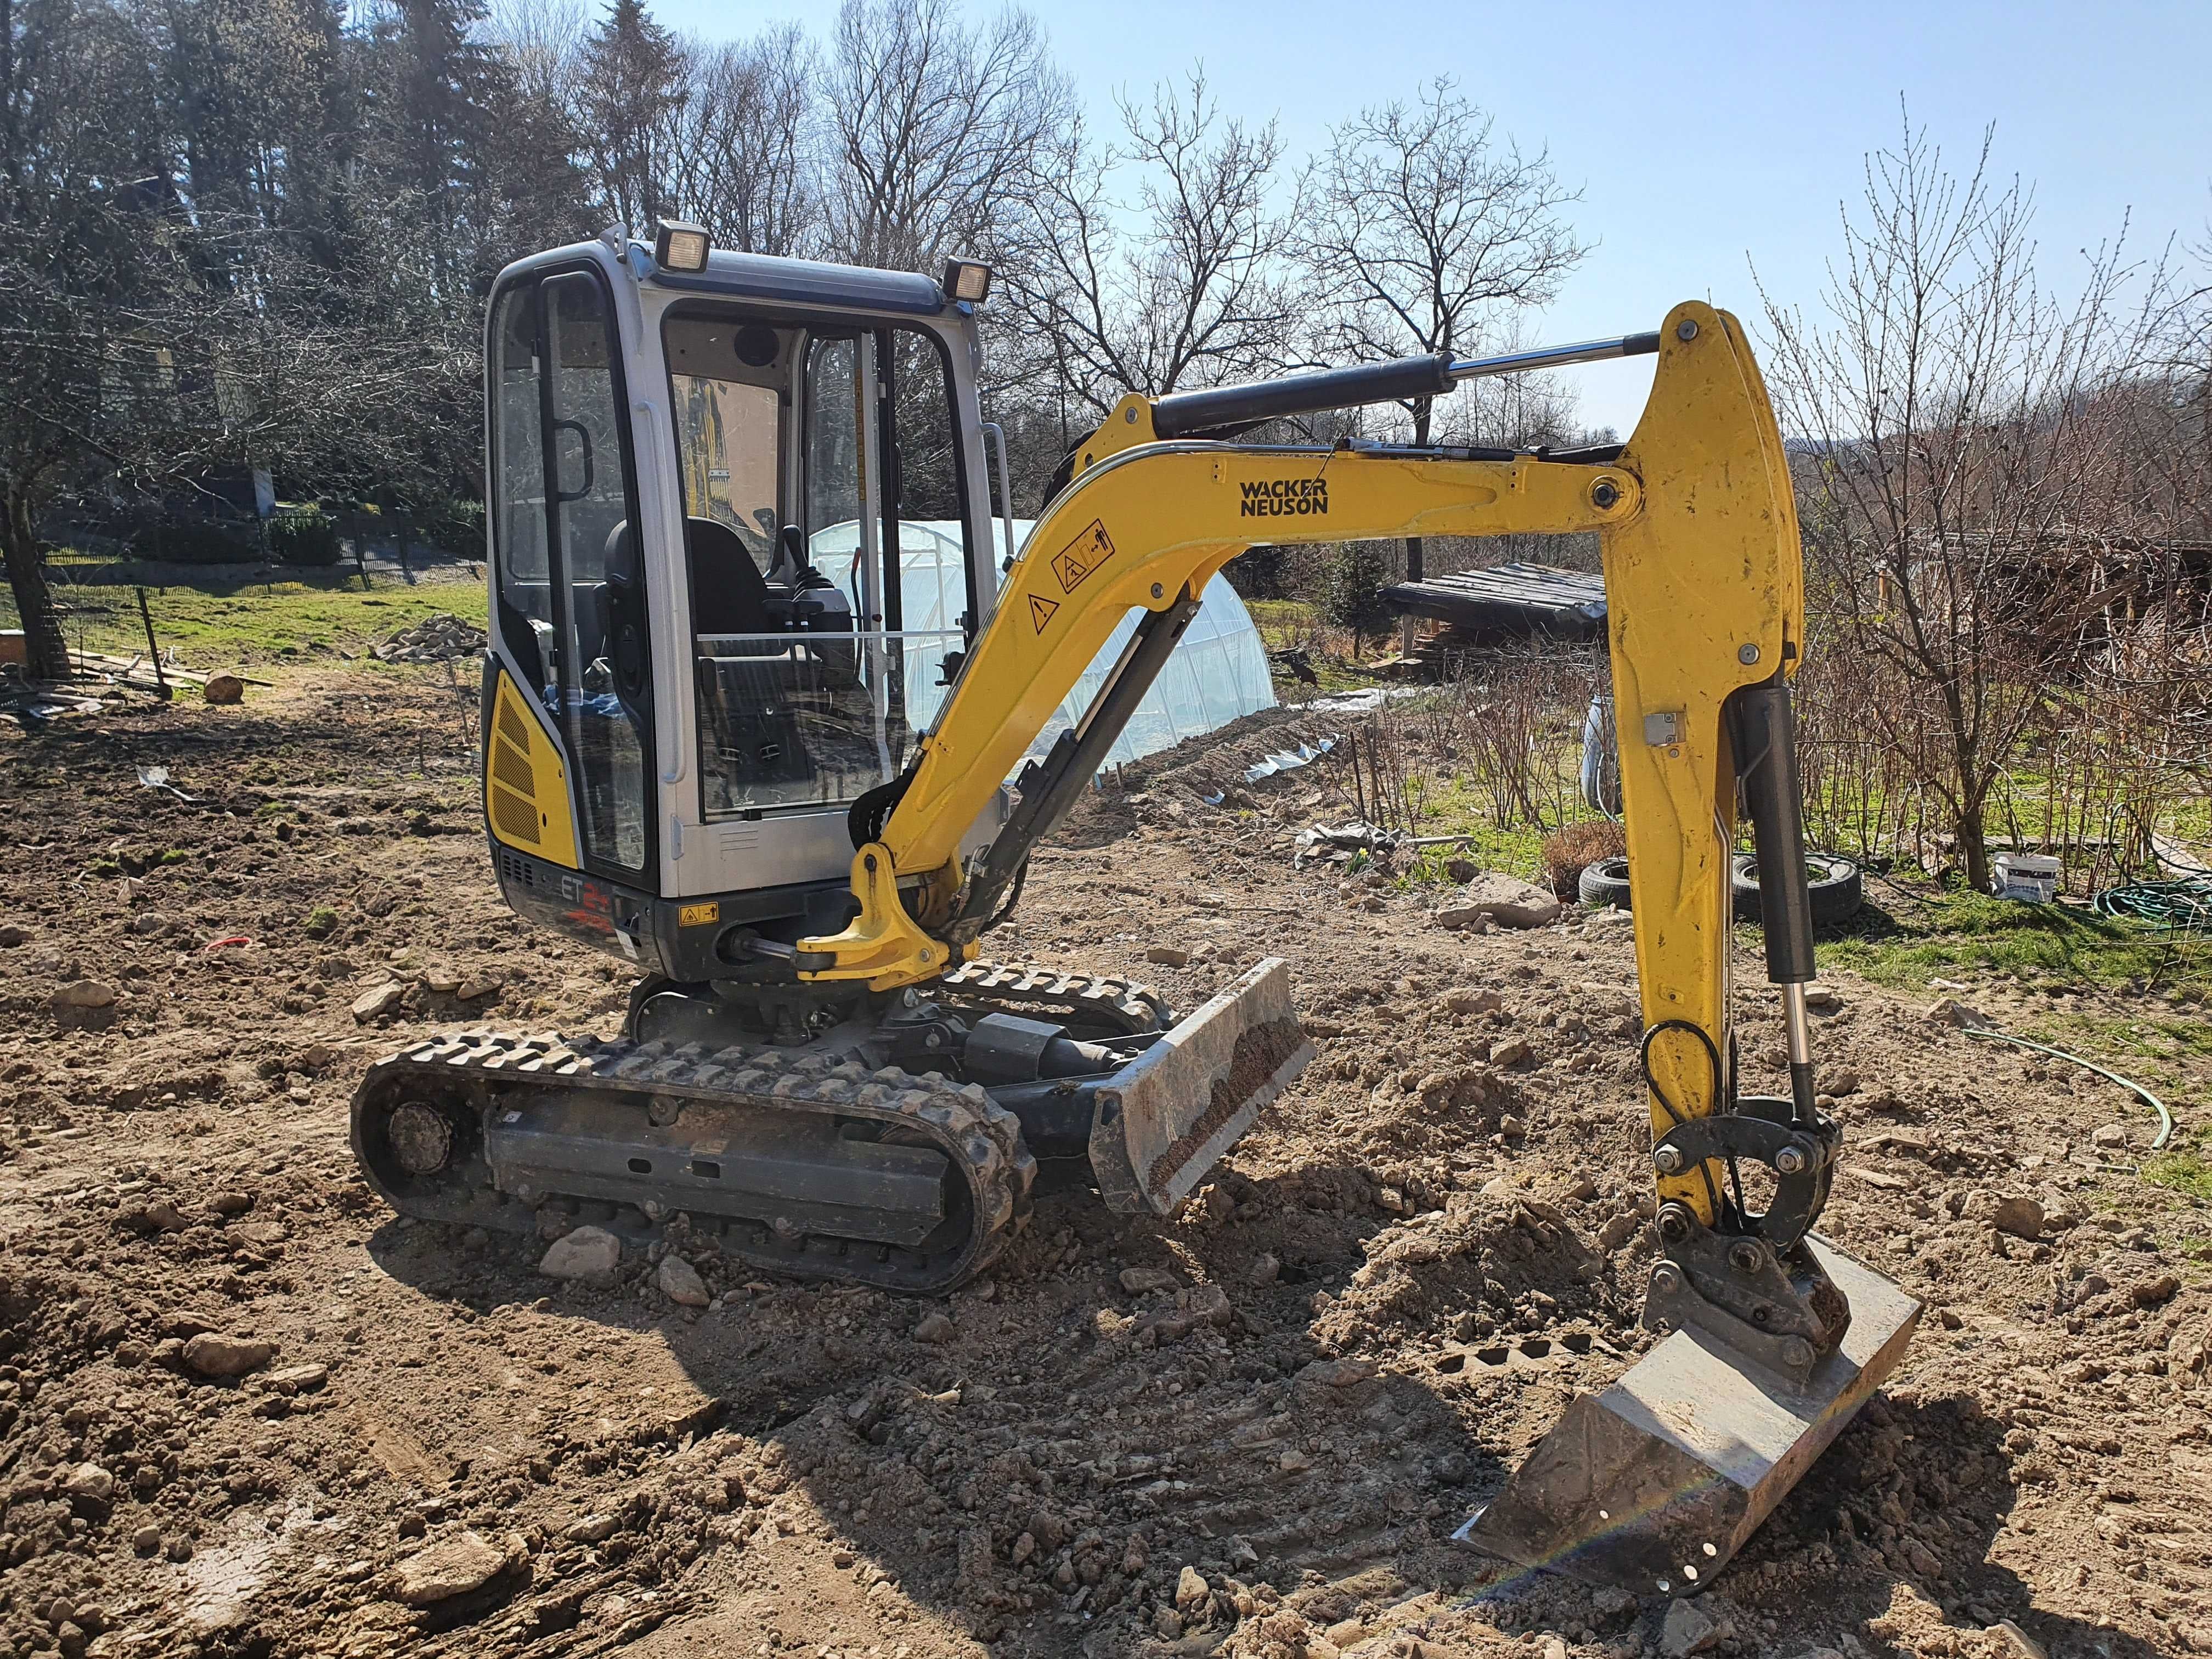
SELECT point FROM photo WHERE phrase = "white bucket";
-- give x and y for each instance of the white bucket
(2031, 877)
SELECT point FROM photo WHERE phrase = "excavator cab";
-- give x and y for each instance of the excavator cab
(701, 487)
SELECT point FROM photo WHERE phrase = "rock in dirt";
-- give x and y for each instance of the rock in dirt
(477, 986)
(1337, 1373)
(1504, 900)
(1168, 956)
(588, 1253)
(1466, 999)
(2155, 1293)
(230, 1203)
(1265, 1271)
(379, 1001)
(1688, 1631)
(84, 994)
(224, 690)
(933, 1327)
(1191, 1587)
(298, 1379)
(89, 1481)
(1135, 1281)
(680, 1282)
(447, 1569)
(591, 1529)
(2018, 1214)
(1951, 1011)
(212, 1355)
(2014, 1643)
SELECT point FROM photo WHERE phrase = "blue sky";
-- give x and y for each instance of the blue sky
(1704, 138)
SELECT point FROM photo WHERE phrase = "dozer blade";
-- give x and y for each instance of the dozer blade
(1654, 1484)
(1163, 1119)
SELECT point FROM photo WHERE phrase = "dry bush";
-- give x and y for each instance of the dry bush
(1568, 851)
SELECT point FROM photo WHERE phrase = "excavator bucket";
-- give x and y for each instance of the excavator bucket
(1163, 1119)
(1654, 1484)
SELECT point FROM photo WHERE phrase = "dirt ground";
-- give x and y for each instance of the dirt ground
(1124, 1442)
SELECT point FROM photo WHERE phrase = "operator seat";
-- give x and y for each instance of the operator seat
(729, 595)
(745, 706)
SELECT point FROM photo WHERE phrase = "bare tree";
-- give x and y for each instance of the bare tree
(936, 127)
(1426, 232)
(1178, 283)
(744, 157)
(1955, 434)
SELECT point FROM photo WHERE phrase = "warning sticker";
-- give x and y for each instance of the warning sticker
(1081, 556)
(1041, 611)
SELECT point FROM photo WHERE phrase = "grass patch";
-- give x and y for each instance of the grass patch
(2187, 1170)
(226, 619)
(2050, 947)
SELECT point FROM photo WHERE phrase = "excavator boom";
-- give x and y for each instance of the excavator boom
(1772, 1337)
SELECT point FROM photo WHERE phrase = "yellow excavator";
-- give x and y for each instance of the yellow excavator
(762, 717)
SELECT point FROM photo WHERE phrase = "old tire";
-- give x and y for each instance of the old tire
(1604, 882)
(1837, 891)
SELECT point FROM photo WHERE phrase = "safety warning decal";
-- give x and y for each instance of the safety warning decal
(1041, 611)
(1081, 556)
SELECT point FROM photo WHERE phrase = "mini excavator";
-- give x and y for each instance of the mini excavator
(715, 747)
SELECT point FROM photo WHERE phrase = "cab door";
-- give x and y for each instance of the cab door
(569, 580)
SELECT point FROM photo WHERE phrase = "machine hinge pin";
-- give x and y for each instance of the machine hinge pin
(1667, 1160)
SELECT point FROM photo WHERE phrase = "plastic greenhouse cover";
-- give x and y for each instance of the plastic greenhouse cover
(1217, 673)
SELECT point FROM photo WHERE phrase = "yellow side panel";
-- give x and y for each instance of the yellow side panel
(526, 785)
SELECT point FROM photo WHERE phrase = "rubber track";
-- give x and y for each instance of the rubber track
(1133, 1008)
(976, 1136)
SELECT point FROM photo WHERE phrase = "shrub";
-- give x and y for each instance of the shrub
(307, 537)
(197, 541)
(1353, 597)
(1567, 851)
(457, 526)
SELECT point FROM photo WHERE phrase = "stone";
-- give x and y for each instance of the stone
(1618, 1230)
(1823, 998)
(147, 1541)
(2016, 1643)
(1842, 1081)
(1686, 1630)
(1466, 999)
(1024, 1546)
(1337, 1373)
(88, 1481)
(445, 1570)
(1293, 1461)
(230, 1203)
(12, 937)
(379, 1001)
(1201, 1304)
(1136, 1281)
(1461, 871)
(1168, 956)
(2018, 1214)
(1191, 1587)
(2154, 1292)
(224, 690)
(215, 1356)
(477, 987)
(298, 1379)
(162, 1216)
(1265, 1271)
(84, 994)
(1554, 1648)
(148, 923)
(591, 1529)
(933, 1327)
(680, 1284)
(1511, 903)
(1511, 1052)
(1951, 1011)
(587, 1253)
(2110, 1134)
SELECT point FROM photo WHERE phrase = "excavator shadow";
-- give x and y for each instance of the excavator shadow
(1104, 1426)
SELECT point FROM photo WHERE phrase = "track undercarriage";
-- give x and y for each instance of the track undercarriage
(892, 1140)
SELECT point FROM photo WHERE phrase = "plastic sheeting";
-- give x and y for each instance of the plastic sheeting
(1218, 670)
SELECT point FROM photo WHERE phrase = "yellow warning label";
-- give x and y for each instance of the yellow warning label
(699, 915)
(1041, 611)
(1081, 556)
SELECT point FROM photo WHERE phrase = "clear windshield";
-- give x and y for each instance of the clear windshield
(796, 446)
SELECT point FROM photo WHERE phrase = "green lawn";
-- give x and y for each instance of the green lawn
(222, 620)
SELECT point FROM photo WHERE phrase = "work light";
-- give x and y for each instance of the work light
(680, 247)
(967, 279)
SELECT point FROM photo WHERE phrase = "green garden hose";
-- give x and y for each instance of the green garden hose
(2165, 1117)
(2183, 906)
